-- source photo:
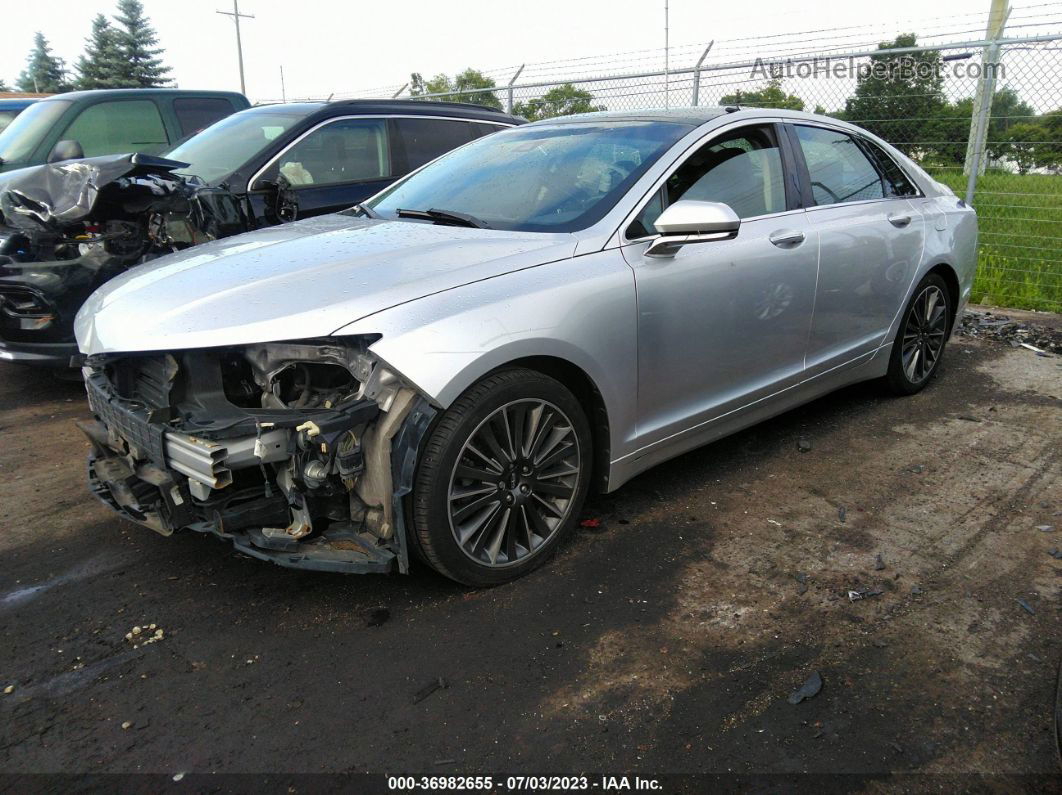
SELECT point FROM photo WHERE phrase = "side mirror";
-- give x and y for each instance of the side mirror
(66, 150)
(688, 221)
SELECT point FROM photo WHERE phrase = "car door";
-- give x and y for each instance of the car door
(870, 242)
(723, 323)
(334, 165)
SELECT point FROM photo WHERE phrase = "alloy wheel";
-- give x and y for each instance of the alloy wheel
(923, 337)
(513, 484)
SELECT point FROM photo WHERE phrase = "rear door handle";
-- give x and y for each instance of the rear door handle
(787, 237)
(899, 220)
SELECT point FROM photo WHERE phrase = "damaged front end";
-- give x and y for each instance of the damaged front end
(66, 228)
(298, 452)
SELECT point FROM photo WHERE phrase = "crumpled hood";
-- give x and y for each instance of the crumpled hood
(305, 279)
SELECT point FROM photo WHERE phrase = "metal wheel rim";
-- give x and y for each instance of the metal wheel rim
(514, 482)
(923, 336)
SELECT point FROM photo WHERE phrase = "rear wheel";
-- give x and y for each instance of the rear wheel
(919, 344)
(502, 478)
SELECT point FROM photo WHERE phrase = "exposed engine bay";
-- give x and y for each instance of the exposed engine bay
(66, 228)
(299, 453)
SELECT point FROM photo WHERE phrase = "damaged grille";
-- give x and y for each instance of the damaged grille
(131, 425)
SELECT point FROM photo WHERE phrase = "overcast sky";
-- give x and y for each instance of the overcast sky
(345, 46)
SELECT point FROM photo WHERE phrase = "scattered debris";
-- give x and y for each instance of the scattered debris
(127, 724)
(803, 580)
(968, 418)
(1026, 607)
(378, 616)
(178, 776)
(445, 761)
(590, 523)
(916, 590)
(842, 514)
(803, 445)
(809, 689)
(139, 636)
(1054, 552)
(1045, 528)
(428, 689)
(863, 593)
(9, 690)
(774, 522)
(918, 469)
(879, 563)
(1003, 328)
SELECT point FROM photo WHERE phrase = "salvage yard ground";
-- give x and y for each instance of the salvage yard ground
(665, 639)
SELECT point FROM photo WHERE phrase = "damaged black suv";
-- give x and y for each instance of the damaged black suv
(67, 227)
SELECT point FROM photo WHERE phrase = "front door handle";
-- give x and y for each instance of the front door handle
(899, 220)
(787, 237)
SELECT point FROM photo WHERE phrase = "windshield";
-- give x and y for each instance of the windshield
(226, 145)
(24, 134)
(557, 178)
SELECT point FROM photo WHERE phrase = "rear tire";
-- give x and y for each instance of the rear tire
(502, 478)
(920, 341)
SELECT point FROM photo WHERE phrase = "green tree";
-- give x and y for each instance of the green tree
(770, 97)
(468, 86)
(946, 133)
(564, 100)
(899, 97)
(1025, 142)
(4, 86)
(44, 73)
(101, 65)
(141, 66)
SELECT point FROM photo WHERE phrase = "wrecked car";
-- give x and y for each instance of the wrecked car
(445, 371)
(69, 226)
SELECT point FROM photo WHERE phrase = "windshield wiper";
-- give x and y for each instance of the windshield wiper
(444, 217)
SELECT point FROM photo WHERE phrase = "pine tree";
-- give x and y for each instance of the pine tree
(141, 66)
(102, 63)
(44, 73)
(3, 86)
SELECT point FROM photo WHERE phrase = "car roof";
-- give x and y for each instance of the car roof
(106, 93)
(387, 107)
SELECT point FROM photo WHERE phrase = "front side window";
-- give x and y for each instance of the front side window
(6, 117)
(839, 170)
(552, 178)
(346, 150)
(111, 128)
(742, 169)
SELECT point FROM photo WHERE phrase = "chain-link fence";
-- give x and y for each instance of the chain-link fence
(990, 108)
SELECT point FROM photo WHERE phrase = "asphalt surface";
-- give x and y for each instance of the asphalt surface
(666, 639)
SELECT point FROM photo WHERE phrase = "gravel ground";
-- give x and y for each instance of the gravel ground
(899, 558)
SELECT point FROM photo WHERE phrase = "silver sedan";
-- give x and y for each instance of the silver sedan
(444, 372)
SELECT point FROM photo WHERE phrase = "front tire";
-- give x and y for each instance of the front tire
(919, 344)
(502, 478)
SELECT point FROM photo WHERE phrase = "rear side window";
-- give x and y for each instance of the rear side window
(198, 113)
(422, 140)
(111, 128)
(839, 170)
(896, 182)
(480, 128)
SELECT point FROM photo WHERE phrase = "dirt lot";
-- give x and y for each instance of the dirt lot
(665, 640)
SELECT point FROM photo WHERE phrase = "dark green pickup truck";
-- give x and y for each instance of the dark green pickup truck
(113, 121)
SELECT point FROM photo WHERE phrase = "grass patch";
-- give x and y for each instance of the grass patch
(1020, 255)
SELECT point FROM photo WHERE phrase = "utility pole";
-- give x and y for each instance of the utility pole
(236, 16)
(982, 107)
(283, 93)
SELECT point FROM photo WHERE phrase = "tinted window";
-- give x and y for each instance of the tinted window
(422, 140)
(896, 182)
(479, 129)
(839, 170)
(6, 117)
(117, 127)
(197, 113)
(346, 150)
(555, 178)
(743, 170)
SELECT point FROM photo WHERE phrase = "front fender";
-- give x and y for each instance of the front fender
(580, 310)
